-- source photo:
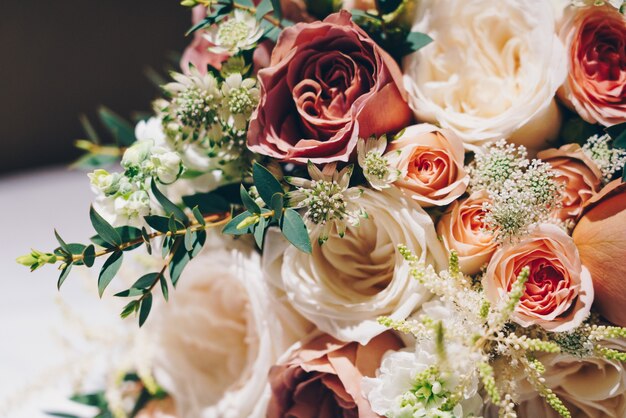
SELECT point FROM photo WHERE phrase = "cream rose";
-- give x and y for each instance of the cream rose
(491, 72)
(219, 334)
(590, 387)
(345, 284)
(431, 162)
(462, 229)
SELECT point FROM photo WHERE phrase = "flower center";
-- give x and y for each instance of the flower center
(232, 32)
(376, 165)
(240, 102)
(195, 108)
(325, 202)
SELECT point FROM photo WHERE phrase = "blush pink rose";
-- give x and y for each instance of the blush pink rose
(431, 161)
(197, 53)
(578, 174)
(559, 290)
(462, 229)
(328, 84)
(596, 85)
(322, 378)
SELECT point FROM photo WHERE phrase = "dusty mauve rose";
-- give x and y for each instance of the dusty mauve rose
(197, 53)
(601, 239)
(578, 174)
(328, 84)
(322, 378)
(431, 162)
(596, 85)
(462, 229)
(295, 11)
(559, 291)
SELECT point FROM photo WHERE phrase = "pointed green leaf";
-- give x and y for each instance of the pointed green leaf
(104, 229)
(277, 9)
(615, 131)
(416, 41)
(201, 24)
(189, 240)
(277, 205)
(158, 223)
(130, 308)
(248, 202)
(89, 129)
(179, 261)
(171, 225)
(109, 270)
(259, 232)
(231, 227)
(198, 216)
(265, 182)
(145, 281)
(208, 202)
(169, 207)
(264, 7)
(295, 231)
(164, 288)
(63, 276)
(122, 131)
(61, 242)
(130, 293)
(144, 310)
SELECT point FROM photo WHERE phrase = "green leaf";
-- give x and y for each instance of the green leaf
(179, 261)
(145, 281)
(89, 129)
(109, 270)
(122, 131)
(130, 293)
(130, 308)
(278, 202)
(231, 227)
(277, 10)
(416, 41)
(158, 223)
(201, 24)
(266, 184)
(198, 216)
(171, 225)
(615, 131)
(188, 240)
(164, 288)
(127, 234)
(97, 399)
(144, 311)
(104, 229)
(64, 273)
(259, 232)
(89, 255)
(91, 161)
(388, 6)
(295, 231)
(263, 8)
(167, 246)
(146, 239)
(61, 242)
(248, 202)
(207, 202)
(169, 207)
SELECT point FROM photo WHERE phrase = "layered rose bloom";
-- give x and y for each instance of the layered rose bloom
(559, 290)
(217, 337)
(327, 85)
(462, 229)
(595, 37)
(491, 72)
(431, 164)
(347, 283)
(579, 175)
(600, 235)
(322, 378)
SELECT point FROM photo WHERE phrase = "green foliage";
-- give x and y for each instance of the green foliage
(169, 207)
(109, 270)
(618, 134)
(104, 229)
(294, 229)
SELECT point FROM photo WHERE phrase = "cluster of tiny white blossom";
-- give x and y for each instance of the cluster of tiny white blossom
(462, 339)
(609, 160)
(328, 200)
(125, 195)
(240, 31)
(521, 192)
(208, 114)
(375, 163)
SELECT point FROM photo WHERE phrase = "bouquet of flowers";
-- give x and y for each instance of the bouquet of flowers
(388, 208)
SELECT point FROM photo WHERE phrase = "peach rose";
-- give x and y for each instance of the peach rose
(322, 378)
(578, 174)
(328, 84)
(601, 239)
(462, 229)
(596, 85)
(197, 53)
(431, 162)
(559, 291)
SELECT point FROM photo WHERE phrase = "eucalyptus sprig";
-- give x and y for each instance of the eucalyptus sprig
(182, 238)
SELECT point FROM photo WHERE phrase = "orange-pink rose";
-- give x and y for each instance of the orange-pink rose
(462, 229)
(559, 290)
(328, 84)
(578, 174)
(431, 162)
(197, 53)
(601, 239)
(322, 379)
(596, 85)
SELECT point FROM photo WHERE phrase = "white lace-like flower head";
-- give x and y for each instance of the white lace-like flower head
(375, 164)
(239, 32)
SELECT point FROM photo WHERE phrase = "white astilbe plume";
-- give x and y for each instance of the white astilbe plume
(609, 160)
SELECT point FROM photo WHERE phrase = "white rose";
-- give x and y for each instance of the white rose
(491, 72)
(219, 334)
(150, 129)
(345, 284)
(591, 387)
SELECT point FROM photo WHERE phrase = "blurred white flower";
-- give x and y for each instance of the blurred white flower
(240, 31)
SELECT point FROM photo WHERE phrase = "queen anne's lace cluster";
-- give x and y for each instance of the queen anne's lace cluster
(610, 160)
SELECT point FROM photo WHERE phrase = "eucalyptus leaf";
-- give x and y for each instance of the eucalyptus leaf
(169, 207)
(144, 310)
(158, 223)
(104, 229)
(278, 202)
(130, 308)
(294, 229)
(61, 242)
(198, 216)
(89, 255)
(207, 202)
(265, 182)
(416, 41)
(164, 288)
(122, 131)
(259, 232)
(109, 270)
(248, 202)
(145, 281)
(64, 273)
(91, 132)
(188, 240)
(263, 8)
(179, 261)
(231, 227)
(130, 293)
(92, 161)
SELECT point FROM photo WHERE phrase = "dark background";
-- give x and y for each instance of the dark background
(61, 58)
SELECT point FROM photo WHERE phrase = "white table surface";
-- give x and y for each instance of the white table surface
(35, 361)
